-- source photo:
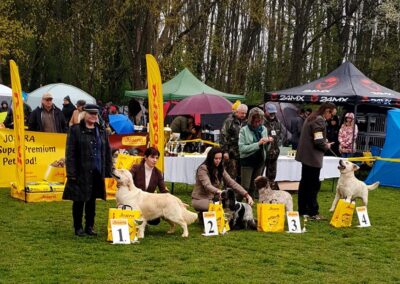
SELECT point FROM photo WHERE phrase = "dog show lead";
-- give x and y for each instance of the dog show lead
(88, 162)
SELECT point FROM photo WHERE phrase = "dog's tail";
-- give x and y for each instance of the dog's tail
(373, 186)
(189, 216)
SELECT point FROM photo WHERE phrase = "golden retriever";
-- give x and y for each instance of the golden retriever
(152, 205)
(349, 186)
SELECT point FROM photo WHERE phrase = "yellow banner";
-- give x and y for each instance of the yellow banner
(156, 115)
(19, 128)
(44, 156)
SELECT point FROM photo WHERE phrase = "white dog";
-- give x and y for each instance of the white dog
(349, 186)
(267, 195)
(152, 205)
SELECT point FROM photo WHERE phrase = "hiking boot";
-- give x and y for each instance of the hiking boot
(90, 231)
(79, 232)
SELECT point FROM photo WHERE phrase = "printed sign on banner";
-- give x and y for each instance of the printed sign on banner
(210, 223)
(44, 154)
(120, 231)
(363, 217)
(293, 220)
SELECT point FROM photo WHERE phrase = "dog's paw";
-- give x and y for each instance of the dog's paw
(171, 231)
(185, 235)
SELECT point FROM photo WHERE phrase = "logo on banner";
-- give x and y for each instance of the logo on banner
(328, 83)
(134, 140)
(370, 85)
(314, 98)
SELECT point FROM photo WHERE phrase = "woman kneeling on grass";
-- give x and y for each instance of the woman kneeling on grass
(147, 177)
(211, 179)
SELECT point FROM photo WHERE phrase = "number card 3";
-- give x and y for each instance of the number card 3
(363, 217)
(120, 231)
(293, 220)
(210, 224)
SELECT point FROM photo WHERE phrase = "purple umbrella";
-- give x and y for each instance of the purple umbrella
(202, 104)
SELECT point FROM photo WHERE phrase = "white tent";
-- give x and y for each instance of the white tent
(5, 94)
(59, 91)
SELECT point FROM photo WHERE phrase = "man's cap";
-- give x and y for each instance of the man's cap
(47, 96)
(91, 108)
(67, 98)
(271, 108)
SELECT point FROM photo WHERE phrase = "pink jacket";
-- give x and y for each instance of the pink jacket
(346, 138)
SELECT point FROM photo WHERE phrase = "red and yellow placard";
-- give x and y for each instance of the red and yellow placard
(19, 128)
(156, 114)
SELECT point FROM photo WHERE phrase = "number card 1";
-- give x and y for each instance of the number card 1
(363, 217)
(120, 231)
(293, 220)
(210, 224)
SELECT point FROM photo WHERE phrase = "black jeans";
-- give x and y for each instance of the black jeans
(308, 190)
(89, 205)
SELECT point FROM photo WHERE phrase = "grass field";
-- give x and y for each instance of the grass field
(38, 246)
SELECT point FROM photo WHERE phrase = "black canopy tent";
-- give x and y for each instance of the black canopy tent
(344, 85)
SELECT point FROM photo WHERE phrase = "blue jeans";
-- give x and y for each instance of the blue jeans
(347, 155)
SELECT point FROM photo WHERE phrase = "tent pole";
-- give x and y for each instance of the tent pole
(353, 140)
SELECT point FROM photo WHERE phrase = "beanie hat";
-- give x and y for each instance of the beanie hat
(349, 114)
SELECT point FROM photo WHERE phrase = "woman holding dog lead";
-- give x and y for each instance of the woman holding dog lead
(88, 162)
(211, 179)
(253, 149)
(310, 153)
(147, 177)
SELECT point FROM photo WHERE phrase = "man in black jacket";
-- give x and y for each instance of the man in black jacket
(47, 117)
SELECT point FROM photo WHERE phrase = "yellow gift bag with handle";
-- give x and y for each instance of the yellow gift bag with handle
(123, 213)
(270, 217)
(343, 214)
(223, 226)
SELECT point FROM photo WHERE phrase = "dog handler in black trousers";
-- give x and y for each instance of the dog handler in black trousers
(88, 162)
(310, 152)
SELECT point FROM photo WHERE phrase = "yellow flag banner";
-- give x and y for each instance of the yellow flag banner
(19, 128)
(44, 156)
(156, 115)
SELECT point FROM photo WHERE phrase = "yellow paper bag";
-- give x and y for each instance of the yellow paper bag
(130, 215)
(219, 213)
(343, 214)
(270, 217)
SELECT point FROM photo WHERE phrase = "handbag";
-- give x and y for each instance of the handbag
(270, 217)
(343, 214)
(123, 213)
(222, 225)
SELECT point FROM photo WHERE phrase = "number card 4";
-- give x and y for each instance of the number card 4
(363, 217)
(293, 220)
(120, 231)
(210, 224)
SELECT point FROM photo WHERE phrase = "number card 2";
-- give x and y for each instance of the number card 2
(210, 224)
(363, 217)
(120, 231)
(293, 220)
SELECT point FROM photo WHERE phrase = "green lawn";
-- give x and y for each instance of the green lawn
(38, 245)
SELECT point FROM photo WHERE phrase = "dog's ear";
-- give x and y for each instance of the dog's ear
(355, 167)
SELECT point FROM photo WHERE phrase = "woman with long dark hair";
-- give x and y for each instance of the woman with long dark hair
(211, 179)
(310, 153)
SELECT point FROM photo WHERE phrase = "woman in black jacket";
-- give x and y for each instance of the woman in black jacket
(88, 162)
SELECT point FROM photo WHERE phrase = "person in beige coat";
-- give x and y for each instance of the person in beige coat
(211, 179)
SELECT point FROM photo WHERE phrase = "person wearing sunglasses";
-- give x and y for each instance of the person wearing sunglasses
(47, 117)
